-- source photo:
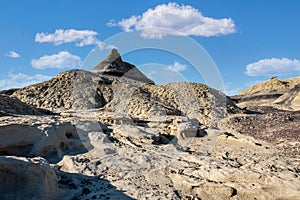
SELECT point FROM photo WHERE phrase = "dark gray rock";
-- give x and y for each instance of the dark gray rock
(113, 65)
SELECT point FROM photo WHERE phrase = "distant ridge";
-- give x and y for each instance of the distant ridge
(273, 85)
(282, 94)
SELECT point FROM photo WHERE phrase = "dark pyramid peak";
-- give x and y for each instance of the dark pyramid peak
(113, 56)
(113, 65)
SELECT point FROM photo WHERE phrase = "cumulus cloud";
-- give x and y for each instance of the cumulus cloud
(12, 54)
(273, 66)
(21, 80)
(79, 37)
(176, 67)
(174, 19)
(63, 59)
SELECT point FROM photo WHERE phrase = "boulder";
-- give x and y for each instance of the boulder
(27, 178)
(38, 136)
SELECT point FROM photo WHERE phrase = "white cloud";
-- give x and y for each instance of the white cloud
(176, 67)
(12, 54)
(60, 36)
(21, 80)
(57, 61)
(273, 66)
(174, 19)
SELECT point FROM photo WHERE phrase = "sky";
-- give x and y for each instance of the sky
(239, 42)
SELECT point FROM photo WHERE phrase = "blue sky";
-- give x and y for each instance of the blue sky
(249, 41)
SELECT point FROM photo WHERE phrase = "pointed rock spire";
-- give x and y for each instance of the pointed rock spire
(112, 56)
(113, 65)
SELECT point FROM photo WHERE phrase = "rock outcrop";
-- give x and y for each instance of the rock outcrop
(27, 178)
(290, 100)
(282, 94)
(65, 90)
(45, 136)
(113, 65)
(272, 86)
(217, 166)
(11, 105)
(78, 89)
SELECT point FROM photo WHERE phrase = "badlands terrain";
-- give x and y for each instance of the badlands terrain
(111, 133)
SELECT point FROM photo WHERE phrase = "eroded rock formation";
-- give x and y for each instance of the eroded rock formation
(281, 94)
(115, 135)
(27, 178)
(113, 65)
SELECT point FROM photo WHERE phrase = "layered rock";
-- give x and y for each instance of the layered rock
(290, 100)
(272, 86)
(282, 94)
(113, 65)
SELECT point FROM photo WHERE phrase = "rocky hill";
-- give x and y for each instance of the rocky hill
(272, 86)
(113, 65)
(114, 88)
(282, 94)
(60, 92)
(113, 134)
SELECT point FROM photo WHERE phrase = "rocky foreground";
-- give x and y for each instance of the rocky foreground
(113, 134)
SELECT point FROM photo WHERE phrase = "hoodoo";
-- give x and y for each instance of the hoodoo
(113, 65)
